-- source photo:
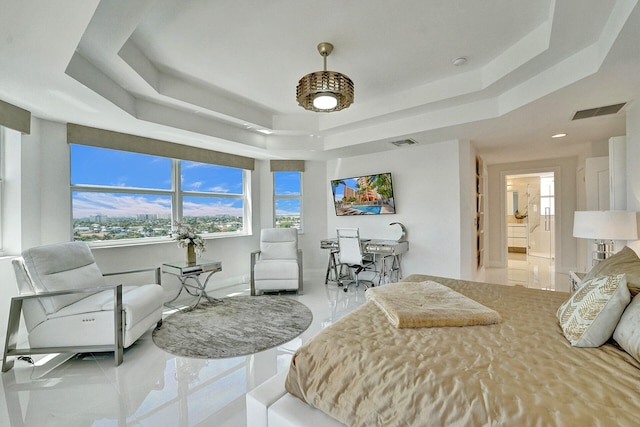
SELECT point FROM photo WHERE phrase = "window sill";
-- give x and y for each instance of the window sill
(155, 241)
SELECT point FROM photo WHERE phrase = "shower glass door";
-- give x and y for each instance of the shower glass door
(541, 254)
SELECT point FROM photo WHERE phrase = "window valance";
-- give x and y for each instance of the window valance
(15, 118)
(78, 134)
(287, 165)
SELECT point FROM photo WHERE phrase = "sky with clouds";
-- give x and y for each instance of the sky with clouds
(102, 167)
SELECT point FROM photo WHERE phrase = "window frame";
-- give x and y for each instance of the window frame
(277, 197)
(175, 193)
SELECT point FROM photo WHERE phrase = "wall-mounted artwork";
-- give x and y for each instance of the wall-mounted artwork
(364, 195)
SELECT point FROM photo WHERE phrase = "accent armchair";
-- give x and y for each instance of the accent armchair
(277, 266)
(69, 308)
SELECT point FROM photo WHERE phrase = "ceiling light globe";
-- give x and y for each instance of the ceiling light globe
(325, 101)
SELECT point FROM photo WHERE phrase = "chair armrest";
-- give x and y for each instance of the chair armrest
(142, 270)
(13, 324)
(67, 292)
(254, 257)
(300, 275)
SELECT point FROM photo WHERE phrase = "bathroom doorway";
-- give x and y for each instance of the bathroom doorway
(530, 219)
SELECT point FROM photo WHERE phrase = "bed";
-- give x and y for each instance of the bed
(524, 371)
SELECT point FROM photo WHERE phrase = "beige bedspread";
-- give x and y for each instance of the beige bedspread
(521, 372)
(429, 304)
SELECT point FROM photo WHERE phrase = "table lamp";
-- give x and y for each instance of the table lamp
(605, 227)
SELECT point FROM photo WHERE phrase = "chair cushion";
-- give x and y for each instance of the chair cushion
(62, 266)
(137, 302)
(276, 270)
(279, 243)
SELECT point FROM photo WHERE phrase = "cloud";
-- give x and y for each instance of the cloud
(218, 189)
(194, 185)
(130, 205)
(115, 205)
(193, 165)
(212, 209)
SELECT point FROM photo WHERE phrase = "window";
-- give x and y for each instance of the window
(119, 195)
(287, 199)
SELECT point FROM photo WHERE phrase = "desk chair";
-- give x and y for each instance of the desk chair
(350, 254)
(335, 270)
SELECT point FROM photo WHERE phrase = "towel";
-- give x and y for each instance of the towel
(429, 304)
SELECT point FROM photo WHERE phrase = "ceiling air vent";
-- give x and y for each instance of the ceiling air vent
(600, 111)
(404, 142)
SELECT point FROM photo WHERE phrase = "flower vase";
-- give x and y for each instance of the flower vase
(191, 254)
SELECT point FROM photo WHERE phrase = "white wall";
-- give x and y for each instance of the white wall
(427, 192)
(314, 209)
(55, 194)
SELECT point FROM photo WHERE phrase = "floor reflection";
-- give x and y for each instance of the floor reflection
(152, 387)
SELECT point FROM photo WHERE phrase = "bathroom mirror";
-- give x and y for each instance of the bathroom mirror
(512, 202)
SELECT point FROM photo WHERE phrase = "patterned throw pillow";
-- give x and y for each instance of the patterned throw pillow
(590, 316)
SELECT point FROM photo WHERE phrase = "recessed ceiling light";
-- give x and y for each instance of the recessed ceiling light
(559, 135)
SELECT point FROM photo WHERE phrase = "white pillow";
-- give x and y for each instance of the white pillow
(627, 333)
(590, 316)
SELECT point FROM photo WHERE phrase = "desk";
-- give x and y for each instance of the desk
(390, 270)
(184, 272)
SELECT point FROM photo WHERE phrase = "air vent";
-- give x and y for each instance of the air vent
(600, 111)
(404, 142)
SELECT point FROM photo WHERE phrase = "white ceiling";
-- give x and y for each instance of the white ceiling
(210, 73)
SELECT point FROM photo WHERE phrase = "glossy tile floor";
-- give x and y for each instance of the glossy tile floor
(531, 271)
(155, 388)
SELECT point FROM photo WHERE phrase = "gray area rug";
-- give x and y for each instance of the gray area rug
(234, 327)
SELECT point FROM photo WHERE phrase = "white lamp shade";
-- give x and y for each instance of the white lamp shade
(605, 225)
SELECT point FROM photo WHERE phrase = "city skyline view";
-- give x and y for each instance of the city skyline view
(118, 194)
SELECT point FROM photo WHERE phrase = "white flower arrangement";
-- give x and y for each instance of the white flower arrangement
(186, 235)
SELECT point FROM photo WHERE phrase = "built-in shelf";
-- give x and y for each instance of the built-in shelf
(479, 220)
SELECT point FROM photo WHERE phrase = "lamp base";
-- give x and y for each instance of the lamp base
(601, 251)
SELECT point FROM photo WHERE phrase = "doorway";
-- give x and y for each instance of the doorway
(530, 221)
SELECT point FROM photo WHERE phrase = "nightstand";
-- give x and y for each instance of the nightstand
(576, 280)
